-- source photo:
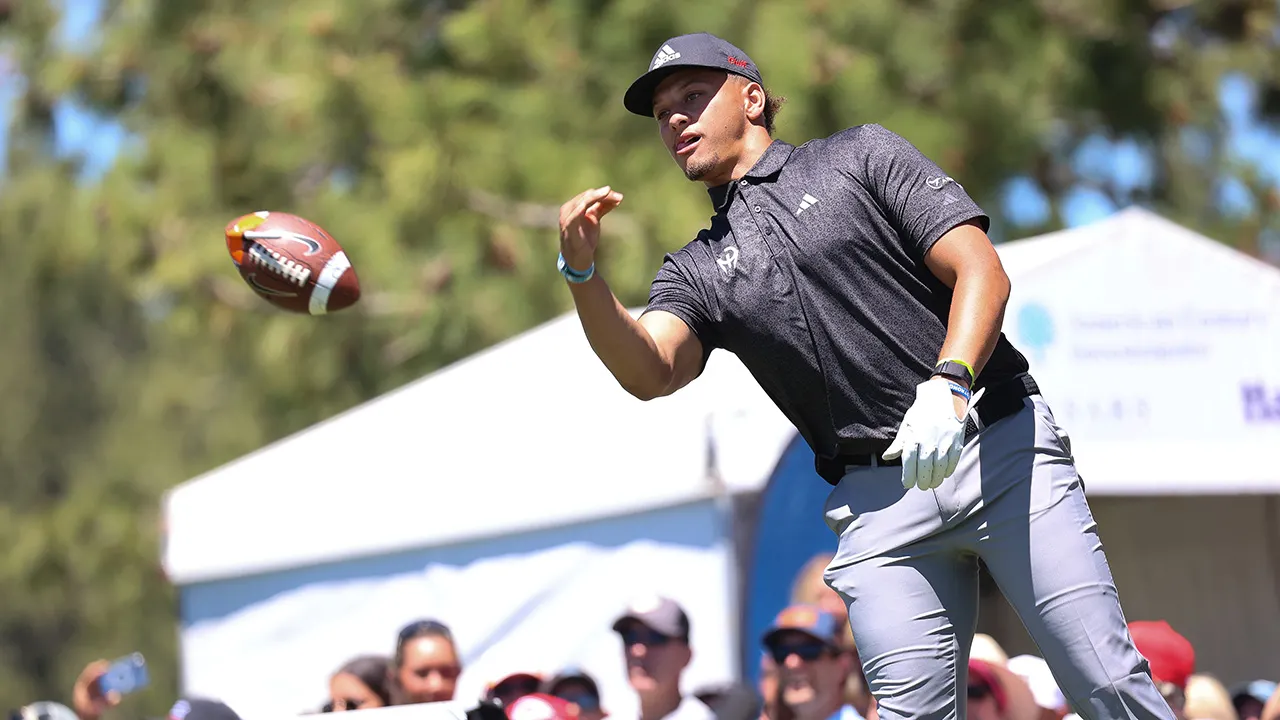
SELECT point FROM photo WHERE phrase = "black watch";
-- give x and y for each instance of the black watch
(954, 371)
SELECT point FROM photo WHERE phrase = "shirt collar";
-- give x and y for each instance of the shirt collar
(774, 157)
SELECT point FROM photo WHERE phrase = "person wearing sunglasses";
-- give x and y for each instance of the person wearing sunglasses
(812, 668)
(655, 642)
(426, 663)
(580, 690)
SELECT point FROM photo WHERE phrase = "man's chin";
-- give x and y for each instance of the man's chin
(798, 699)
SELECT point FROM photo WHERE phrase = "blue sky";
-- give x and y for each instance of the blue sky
(1123, 162)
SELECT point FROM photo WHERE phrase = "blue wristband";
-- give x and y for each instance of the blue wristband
(574, 276)
(958, 389)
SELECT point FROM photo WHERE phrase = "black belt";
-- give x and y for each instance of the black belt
(998, 402)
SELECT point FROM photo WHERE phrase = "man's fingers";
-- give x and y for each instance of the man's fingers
(910, 467)
(579, 204)
(601, 207)
(895, 449)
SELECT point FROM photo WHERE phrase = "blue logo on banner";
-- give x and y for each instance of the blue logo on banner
(1035, 329)
(1261, 404)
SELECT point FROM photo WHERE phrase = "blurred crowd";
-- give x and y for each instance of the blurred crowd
(810, 670)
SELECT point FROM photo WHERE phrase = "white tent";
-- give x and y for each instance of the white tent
(527, 519)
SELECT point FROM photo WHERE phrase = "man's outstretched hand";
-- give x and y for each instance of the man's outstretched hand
(580, 225)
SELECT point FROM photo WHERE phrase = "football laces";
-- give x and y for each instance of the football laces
(275, 263)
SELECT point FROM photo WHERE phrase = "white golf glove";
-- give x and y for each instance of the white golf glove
(930, 437)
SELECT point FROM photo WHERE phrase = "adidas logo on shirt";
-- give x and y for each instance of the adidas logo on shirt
(664, 56)
(806, 202)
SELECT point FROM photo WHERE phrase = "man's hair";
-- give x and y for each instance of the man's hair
(772, 104)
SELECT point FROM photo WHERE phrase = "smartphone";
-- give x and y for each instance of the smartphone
(126, 675)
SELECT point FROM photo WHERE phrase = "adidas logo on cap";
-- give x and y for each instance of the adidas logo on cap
(664, 56)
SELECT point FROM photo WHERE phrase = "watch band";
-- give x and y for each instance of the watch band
(955, 370)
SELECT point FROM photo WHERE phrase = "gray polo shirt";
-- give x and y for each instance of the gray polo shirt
(812, 272)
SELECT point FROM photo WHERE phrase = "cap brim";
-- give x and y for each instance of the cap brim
(639, 97)
(770, 636)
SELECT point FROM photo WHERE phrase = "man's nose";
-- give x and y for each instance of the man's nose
(793, 661)
(637, 650)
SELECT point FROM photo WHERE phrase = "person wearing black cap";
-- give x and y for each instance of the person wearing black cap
(579, 689)
(655, 641)
(854, 279)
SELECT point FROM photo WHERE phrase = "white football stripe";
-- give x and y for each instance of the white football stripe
(329, 276)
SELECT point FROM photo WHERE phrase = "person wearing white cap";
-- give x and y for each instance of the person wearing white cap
(1049, 698)
(655, 639)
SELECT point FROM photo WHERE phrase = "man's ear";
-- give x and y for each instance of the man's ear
(753, 100)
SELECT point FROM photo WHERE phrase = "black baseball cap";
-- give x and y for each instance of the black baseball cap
(696, 50)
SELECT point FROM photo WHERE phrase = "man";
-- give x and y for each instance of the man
(1251, 697)
(855, 281)
(1172, 659)
(655, 640)
(813, 667)
(426, 663)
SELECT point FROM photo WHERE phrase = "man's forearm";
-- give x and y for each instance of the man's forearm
(977, 315)
(621, 343)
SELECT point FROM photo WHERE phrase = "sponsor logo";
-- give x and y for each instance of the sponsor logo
(252, 280)
(728, 260)
(1261, 403)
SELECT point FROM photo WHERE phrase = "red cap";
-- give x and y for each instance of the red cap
(1171, 656)
(982, 671)
(540, 706)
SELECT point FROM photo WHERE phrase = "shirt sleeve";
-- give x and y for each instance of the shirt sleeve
(919, 198)
(676, 289)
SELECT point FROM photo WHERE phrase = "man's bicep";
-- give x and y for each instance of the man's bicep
(678, 345)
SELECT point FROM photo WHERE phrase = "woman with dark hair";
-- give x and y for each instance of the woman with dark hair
(426, 665)
(363, 683)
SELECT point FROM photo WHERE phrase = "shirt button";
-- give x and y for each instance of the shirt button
(757, 208)
(768, 231)
(743, 183)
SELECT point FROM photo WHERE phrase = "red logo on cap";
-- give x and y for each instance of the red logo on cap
(736, 61)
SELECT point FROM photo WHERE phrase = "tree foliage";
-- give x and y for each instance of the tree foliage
(436, 139)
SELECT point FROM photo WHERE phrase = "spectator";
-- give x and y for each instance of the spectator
(995, 691)
(1207, 699)
(1171, 657)
(426, 663)
(512, 688)
(1035, 672)
(813, 667)
(579, 690)
(810, 588)
(363, 683)
(1249, 698)
(655, 640)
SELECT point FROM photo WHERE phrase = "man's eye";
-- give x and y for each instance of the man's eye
(691, 97)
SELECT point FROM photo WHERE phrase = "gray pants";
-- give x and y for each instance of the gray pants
(906, 567)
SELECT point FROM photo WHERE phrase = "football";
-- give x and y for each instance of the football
(292, 263)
